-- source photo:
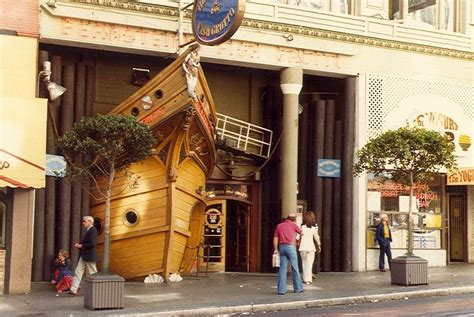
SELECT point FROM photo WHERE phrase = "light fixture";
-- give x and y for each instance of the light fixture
(288, 37)
(55, 90)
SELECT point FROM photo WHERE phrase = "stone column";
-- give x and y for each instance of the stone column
(291, 82)
(18, 262)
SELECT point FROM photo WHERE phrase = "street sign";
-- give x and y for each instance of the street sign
(329, 168)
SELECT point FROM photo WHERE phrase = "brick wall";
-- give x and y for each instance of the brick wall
(21, 16)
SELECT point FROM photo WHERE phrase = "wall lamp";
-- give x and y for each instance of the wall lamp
(55, 90)
(288, 37)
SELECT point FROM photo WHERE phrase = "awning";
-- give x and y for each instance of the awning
(22, 142)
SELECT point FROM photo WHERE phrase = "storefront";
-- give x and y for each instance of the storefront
(354, 71)
(440, 207)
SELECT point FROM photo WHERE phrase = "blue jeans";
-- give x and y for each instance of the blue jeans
(288, 253)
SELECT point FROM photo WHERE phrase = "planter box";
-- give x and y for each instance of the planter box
(103, 291)
(409, 270)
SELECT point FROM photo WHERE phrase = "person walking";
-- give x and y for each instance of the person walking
(87, 254)
(384, 238)
(307, 245)
(284, 243)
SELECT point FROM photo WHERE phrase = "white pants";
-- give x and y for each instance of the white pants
(307, 259)
(80, 269)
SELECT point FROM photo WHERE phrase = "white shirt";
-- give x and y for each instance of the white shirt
(310, 235)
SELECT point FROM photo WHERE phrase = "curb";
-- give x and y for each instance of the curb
(260, 308)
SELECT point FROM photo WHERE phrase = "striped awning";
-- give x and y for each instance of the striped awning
(22, 142)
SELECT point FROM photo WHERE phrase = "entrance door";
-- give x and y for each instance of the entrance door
(237, 236)
(214, 237)
(457, 213)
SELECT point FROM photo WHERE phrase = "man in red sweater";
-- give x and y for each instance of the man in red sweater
(284, 243)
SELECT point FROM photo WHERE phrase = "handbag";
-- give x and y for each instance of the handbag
(276, 260)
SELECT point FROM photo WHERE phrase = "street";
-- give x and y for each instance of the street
(460, 305)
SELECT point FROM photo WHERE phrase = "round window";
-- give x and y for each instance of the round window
(130, 217)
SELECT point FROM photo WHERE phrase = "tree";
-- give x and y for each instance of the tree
(410, 155)
(100, 147)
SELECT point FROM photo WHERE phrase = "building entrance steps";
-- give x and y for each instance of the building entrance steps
(225, 293)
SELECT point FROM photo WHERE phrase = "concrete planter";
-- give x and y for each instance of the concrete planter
(104, 291)
(409, 270)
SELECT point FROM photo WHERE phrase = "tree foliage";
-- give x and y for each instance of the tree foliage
(408, 154)
(99, 147)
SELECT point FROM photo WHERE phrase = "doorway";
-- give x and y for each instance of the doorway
(457, 220)
(237, 256)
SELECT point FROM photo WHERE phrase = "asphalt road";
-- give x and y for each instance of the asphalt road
(460, 305)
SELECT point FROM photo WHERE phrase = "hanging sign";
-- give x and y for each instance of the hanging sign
(215, 21)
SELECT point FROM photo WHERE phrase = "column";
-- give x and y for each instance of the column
(291, 82)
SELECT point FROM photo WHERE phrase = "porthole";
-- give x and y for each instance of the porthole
(131, 217)
(135, 111)
(99, 225)
(159, 94)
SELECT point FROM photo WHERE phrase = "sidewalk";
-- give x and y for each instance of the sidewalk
(225, 293)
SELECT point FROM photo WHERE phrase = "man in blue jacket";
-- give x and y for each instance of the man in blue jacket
(384, 238)
(87, 253)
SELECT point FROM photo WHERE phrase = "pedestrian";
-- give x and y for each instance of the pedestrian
(87, 253)
(384, 238)
(284, 243)
(309, 244)
(62, 273)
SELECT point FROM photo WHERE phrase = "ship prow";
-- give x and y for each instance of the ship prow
(157, 226)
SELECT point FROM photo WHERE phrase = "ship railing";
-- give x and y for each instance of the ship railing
(243, 136)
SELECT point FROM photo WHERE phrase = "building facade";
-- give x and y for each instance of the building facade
(361, 66)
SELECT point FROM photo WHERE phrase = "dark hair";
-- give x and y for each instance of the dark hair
(310, 219)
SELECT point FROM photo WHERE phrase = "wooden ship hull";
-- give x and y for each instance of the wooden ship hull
(157, 225)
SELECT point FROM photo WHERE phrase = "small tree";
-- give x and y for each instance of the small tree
(410, 155)
(99, 147)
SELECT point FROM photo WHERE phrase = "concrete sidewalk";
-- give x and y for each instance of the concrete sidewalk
(226, 293)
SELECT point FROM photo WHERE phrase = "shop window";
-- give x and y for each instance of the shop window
(131, 217)
(391, 198)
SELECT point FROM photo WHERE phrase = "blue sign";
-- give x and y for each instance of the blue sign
(215, 21)
(55, 165)
(329, 168)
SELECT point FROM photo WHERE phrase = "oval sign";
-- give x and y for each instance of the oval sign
(215, 21)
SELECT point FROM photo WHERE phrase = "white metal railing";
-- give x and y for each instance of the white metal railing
(244, 136)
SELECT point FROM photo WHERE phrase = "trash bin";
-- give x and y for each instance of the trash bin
(103, 291)
(409, 270)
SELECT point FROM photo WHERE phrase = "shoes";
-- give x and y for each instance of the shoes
(307, 283)
(281, 293)
(383, 270)
(69, 292)
(300, 291)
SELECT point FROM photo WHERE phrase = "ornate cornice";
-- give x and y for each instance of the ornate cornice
(290, 29)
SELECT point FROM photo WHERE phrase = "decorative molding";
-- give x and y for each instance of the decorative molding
(289, 29)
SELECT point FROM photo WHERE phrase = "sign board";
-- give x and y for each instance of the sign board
(461, 176)
(215, 22)
(55, 165)
(329, 168)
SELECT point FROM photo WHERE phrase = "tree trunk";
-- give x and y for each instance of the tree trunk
(106, 258)
(410, 218)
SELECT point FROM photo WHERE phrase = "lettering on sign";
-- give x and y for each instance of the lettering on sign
(102, 33)
(4, 165)
(462, 176)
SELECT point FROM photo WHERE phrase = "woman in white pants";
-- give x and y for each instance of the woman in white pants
(308, 245)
